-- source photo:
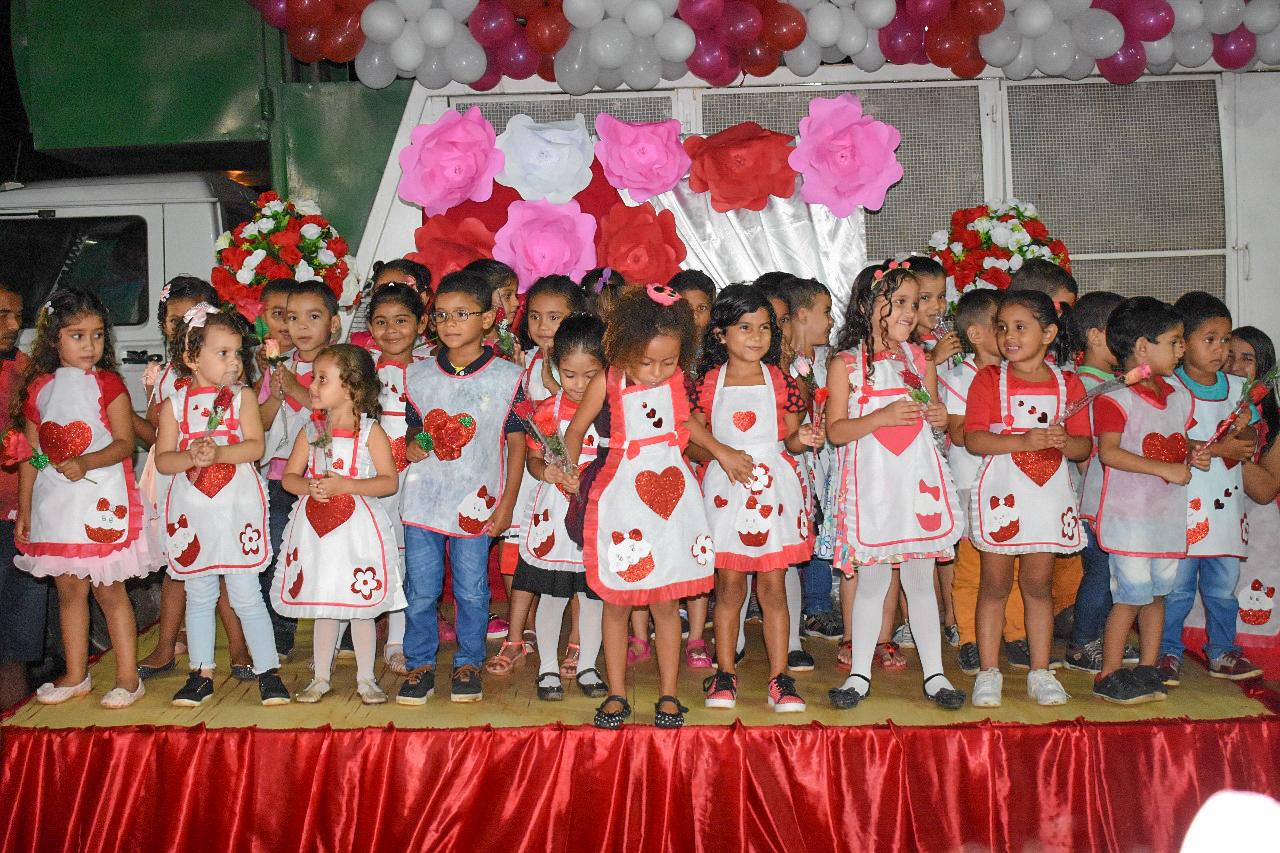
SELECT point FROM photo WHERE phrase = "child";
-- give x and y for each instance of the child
(696, 288)
(463, 490)
(601, 287)
(762, 526)
(340, 560)
(215, 516)
(1047, 278)
(1216, 534)
(1023, 503)
(889, 461)
(645, 534)
(79, 516)
(550, 561)
(941, 344)
(502, 280)
(402, 271)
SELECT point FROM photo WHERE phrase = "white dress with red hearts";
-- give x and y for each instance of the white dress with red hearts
(1025, 502)
(535, 390)
(646, 537)
(392, 399)
(153, 485)
(215, 518)
(895, 500)
(340, 555)
(763, 525)
(545, 543)
(1217, 523)
(90, 528)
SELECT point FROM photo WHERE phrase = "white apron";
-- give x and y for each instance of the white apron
(1216, 505)
(392, 399)
(535, 391)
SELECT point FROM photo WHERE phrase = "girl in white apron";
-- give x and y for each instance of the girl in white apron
(341, 561)
(1023, 505)
(80, 517)
(895, 505)
(762, 526)
(215, 509)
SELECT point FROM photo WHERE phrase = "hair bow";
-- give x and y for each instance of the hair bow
(197, 314)
(662, 294)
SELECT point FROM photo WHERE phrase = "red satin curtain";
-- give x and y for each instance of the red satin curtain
(1069, 787)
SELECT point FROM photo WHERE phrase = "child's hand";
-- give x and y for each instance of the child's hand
(1178, 474)
(277, 381)
(1057, 436)
(1234, 447)
(413, 451)
(332, 485)
(1200, 455)
(499, 521)
(899, 413)
(292, 387)
(203, 452)
(811, 435)
(316, 489)
(736, 464)
(22, 528)
(1038, 438)
(948, 345)
(72, 469)
(936, 414)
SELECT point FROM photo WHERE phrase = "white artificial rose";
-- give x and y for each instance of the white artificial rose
(250, 229)
(957, 248)
(350, 287)
(251, 262)
(1028, 210)
(1019, 239)
(1015, 263)
(223, 241)
(549, 161)
(938, 240)
(304, 272)
(266, 225)
(310, 231)
(306, 207)
(273, 206)
(1001, 234)
(245, 275)
(326, 258)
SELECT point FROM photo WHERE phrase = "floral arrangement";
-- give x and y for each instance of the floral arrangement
(644, 159)
(284, 239)
(988, 243)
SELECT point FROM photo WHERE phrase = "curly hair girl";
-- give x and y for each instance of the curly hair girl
(63, 308)
(359, 376)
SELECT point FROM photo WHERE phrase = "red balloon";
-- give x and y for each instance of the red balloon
(945, 46)
(928, 12)
(524, 8)
(356, 6)
(516, 59)
(970, 66)
(901, 39)
(305, 43)
(341, 37)
(758, 60)
(741, 23)
(982, 16)
(547, 69)
(548, 30)
(727, 75)
(303, 13)
(784, 27)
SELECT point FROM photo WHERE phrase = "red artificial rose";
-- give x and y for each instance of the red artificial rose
(970, 240)
(334, 277)
(1059, 250)
(267, 197)
(270, 269)
(313, 219)
(446, 246)
(640, 244)
(999, 252)
(339, 247)
(232, 257)
(1000, 278)
(284, 239)
(290, 255)
(741, 167)
(1036, 229)
(961, 218)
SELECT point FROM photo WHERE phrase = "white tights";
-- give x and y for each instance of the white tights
(324, 642)
(546, 625)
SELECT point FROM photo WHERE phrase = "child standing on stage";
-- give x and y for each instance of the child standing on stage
(1216, 533)
(341, 561)
(215, 509)
(645, 536)
(1023, 504)
(460, 491)
(761, 526)
(896, 504)
(79, 515)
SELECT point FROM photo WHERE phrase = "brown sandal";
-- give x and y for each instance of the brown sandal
(500, 664)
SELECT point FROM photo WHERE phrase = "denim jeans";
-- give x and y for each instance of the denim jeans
(1217, 578)
(279, 505)
(243, 592)
(816, 580)
(1093, 599)
(424, 553)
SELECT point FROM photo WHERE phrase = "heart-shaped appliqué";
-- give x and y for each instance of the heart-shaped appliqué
(660, 491)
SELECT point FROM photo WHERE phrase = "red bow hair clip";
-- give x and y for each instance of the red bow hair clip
(892, 265)
(662, 294)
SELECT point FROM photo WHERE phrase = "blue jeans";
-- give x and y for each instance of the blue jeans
(279, 505)
(1093, 599)
(424, 553)
(1217, 578)
(242, 591)
(816, 589)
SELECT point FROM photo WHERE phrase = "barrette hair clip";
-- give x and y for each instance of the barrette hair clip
(605, 275)
(164, 292)
(662, 294)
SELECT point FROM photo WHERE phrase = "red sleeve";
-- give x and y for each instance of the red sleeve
(701, 393)
(1108, 416)
(1077, 424)
(31, 412)
(111, 386)
(982, 408)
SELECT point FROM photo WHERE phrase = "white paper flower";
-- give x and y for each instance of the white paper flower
(250, 229)
(326, 258)
(938, 240)
(245, 275)
(1015, 263)
(310, 231)
(266, 225)
(223, 241)
(546, 161)
(1001, 234)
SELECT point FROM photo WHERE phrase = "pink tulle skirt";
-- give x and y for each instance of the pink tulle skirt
(137, 560)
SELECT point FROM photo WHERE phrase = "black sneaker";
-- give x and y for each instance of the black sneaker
(1124, 688)
(969, 662)
(828, 626)
(464, 684)
(1086, 658)
(800, 661)
(684, 624)
(1151, 678)
(1018, 653)
(194, 692)
(418, 686)
(271, 688)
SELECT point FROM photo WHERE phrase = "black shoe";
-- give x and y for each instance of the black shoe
(145, 672)
(194, 692)
(948, 699)
(828, 626)
(684, 625)
(1151, 678)
(969, 662)
(550, 689)
(464, 685)
(754, 613)
(591, 689)
(1018, 653)
(1086, 658)
(242, 672)
(847, 697)
(664, 720)
(800, 661)
(418, 686)
(1124, 688)
(271, 688)
(612, 719)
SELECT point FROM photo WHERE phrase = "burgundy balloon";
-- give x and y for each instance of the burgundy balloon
(710, 57)
(928, 12)
(784, 27)
(1148, 20)
(982, 16)
(274, 12)
(701, 14)
(741, 23)
(491, 23)
(305, 43)
(1115, 7)
(945, 46)
(901, 39)
(758, 60)
(341, 37)
(303, 13)
(1126, 64)
(489, 79)
(727, 75)
(517, 59)
(1234, 50)
(547, 69)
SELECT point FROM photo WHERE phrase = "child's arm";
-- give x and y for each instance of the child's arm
(985, 443)
(801, 437)
(934, 411)
(293, 481)
(844, 430)
(26, 484)
(735, 463)
(284, 379)
(120, 419)
(1238, 444)
(955, 429)
(144, 430)
(385, 483)
(170, 460)
(250, 447)
(1114, 456)
(501, 518)
(588, 409)
(1262, 479)
(270, 407)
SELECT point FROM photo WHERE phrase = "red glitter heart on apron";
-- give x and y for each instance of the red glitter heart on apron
(326, 516)
(211, 480)
(61, 442)
(1165, 448)
(449, 433)
(898, 438)
(661, 491)
(398, 453)
(1039, 465)
(744, 420)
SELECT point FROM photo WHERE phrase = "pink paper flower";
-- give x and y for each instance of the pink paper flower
(450, 161)
(846, 158)
(643, 159)
(541, 238)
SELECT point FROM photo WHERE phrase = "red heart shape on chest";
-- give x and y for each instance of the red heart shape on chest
(328, 515)
(449, 433)
(1038, 465)
(211, 480)
(744, 420)
(398, 453)
(61, 442)
(896, 439)
(661, 491)
(1165, 448)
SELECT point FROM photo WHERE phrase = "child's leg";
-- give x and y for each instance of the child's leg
(666, 625)
(202, 600)
(1150, 626)
(889, 611)
(395, 629)
(575, 611)
(1116, 633)
(696, 609)
(993, 591)
(967, 570)
(279, 504)
(917, 578)
(1135, 582)
(324, 642)
(773, 592)
(1015, 619)
(251, 614)
(792, 593)
(423, 582)
(1178, 603)
(237, 648)
(590, 613)
(517, 618)
(469, 559)
(1218, 578)
(364, 639)
(173, 606)
(1036, 578)
(614, 628)
(731, 593)
(546, 625)
(946, 579)
(867, 619)
(123, 630)
(73, 614)
(1093, 597)
(640, 624)
(815, 578)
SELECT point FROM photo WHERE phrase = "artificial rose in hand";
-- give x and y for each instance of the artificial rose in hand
(540, 238)
(449, 161)
(847, 158)
(640, 244)
(643, 159)
(445, 246)
(741, 167)
(549, 161)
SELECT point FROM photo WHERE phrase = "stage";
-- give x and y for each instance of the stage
(514, 773)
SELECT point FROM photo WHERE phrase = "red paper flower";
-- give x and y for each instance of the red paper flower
(445, 246)
(741, 167)
(640, 244)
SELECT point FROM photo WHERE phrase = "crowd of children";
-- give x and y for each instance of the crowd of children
(639, 451)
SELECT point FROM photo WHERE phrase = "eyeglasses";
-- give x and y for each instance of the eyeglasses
(461, 315)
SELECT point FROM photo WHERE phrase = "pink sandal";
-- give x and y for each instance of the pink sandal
(695, 655)
(500, 664)
(638, 650)
(889, 657)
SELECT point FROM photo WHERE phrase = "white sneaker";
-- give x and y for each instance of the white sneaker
(902, 636)
(314, 692)
(1043, 686)
(118, 697)
(987, 689)
(371, 693)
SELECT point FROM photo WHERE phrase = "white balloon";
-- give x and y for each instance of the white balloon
(804, 59)
(870, 58)
(381, 21)
(643, 68)
(675, 40)
(460, 9)
(833, 55)
(1012, 6)
(1055, 51)
(1000, 46)
(1222, 16)
(436, 27)
(1024, 63)
(583, 14)
(668, 7)
(413, 9)
(465, 58)
(843, 4)
(1097, 32)
(1268, 50)
(1192, 49)
(875, 14)
(433, 73)
(609, 79)
(1033, 19)
(1160, 51)
(373, 65)
(576, 72)
(1262, 16)
(824, 24)
(1188, 15)
(1160, 67)
(610, 43)
(408, 50)
(615, 8)
(1081, 68)
(673, 71)
(804, 5)
(644, 18)
(853, 35)
(1065, 10)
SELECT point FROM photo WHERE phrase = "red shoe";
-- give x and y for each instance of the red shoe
(1234, 666)
(497, 629)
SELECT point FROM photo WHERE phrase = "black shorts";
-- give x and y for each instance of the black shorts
(550, 582)
(23, 599)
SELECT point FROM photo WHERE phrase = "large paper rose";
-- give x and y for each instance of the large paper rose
(541, 238)
(640, 244)
(741, 166)
(643, 159)
(445, 246)
(847, 158)
(546, 161)
(449, 161)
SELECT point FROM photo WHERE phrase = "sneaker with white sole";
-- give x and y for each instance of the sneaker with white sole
(721, 690)
(783, 697)
(987, 689)
(1043, 686)
(902, 636)
(951, 633)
